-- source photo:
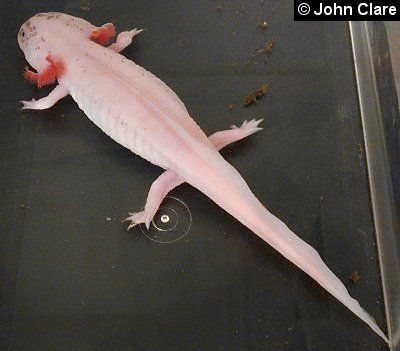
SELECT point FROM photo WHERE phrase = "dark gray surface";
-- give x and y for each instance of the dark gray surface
(71, 280)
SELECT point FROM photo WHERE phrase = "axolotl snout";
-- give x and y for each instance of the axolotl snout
(142, 113)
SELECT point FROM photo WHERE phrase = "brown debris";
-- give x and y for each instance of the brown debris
(267, 48)
(252, 97)
(220, 7)
(354, 277)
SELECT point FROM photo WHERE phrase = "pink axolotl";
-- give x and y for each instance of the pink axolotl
(143, 114)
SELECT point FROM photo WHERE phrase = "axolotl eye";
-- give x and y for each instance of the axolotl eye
(21, 33)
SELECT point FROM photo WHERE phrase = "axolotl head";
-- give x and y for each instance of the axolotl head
(37, 36)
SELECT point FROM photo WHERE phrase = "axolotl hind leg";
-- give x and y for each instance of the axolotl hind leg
(158, 190)
(170, 180)
(226, 137)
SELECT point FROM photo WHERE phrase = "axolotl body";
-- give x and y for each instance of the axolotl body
(140, 112)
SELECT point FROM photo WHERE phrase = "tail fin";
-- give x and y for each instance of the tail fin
(280, 237)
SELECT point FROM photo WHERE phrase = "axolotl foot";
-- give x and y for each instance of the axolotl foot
(138, 218)
(249, 127)
(32, 104)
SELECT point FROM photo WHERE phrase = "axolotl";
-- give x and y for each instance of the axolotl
(143, 114)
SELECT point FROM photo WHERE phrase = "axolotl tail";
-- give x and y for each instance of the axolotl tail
(280, 237)
(217, 179)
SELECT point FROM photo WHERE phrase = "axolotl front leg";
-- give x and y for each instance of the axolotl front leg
(103, 34)
(55, 69)
(124, 39)
(48, 101)
(47, 76)
(170, 180)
